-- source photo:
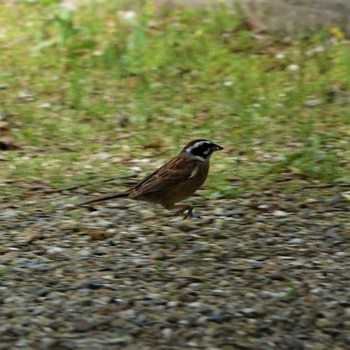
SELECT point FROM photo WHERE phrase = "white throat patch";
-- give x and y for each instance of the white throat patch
(200, 158)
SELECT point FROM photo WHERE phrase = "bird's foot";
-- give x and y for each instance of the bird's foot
(185, 209)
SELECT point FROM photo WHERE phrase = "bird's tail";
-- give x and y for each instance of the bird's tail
(100, 199)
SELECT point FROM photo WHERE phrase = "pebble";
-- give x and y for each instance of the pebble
(228, 83)
(45, 105)
(84, 252)
(195, 305)
(332, 233)
(293, 67)
(214, 233)
(101, 251)
(54, 250)
(218, 316)
(69, 224)
(280, 213)
(103, 223)
(248, 310)
(117, 341)
(36, 266)
(148, 214)
(225, 283)
(313, 103)
(173, 303)
(21, 343)
(296, 241)
(218, 292)
(187, 226)
(9, 213)
(187, 272)
(167, 332)
(342, 254)
(83, 326)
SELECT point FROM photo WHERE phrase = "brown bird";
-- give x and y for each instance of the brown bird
(174, 181)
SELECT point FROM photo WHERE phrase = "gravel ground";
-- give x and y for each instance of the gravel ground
(267, 271)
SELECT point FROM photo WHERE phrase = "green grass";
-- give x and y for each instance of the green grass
(66, 76)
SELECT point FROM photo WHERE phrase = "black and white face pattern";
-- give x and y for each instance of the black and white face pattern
(202, 149)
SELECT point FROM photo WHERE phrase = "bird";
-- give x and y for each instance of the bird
(173, 182)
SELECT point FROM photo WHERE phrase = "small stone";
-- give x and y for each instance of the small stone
(21, 343)
(112, 231)
(96, 285)
(103, 223)
(313, 103)
(83, 326)
(128, 314)
(332, 233)
(54, 250)
(248, 310)
(341, 254)
(173, 303)
(214, 233)
(228, 83)
(147, 214)
(293, 67)
(224, 283)
(346, 195)
(323, 322)
(24, 94)
(236, 213)
(69, 225)
(45, 105)
(31, 238)
(195, 304)
(218, 316)
(159, 255)
(311, 200)
(296, 241)
(84, 252)
(336, 199)
(116, 341)
(167, 332)
(10, 213)
(280, 213)
(36, 266)
(42, 292)
(187, 272)
(49, 343)
(187, 226)
(101, 251)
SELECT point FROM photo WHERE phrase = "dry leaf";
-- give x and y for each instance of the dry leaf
(154, 144)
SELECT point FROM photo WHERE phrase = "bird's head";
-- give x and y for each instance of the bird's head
(201, 149)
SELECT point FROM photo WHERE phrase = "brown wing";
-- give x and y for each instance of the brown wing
(167, 176)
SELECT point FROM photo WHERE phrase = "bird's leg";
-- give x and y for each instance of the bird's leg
(184, 208)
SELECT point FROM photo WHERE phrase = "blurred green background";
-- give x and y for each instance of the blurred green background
(91, 89)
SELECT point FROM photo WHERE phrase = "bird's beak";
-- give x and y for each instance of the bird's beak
(218, 148)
